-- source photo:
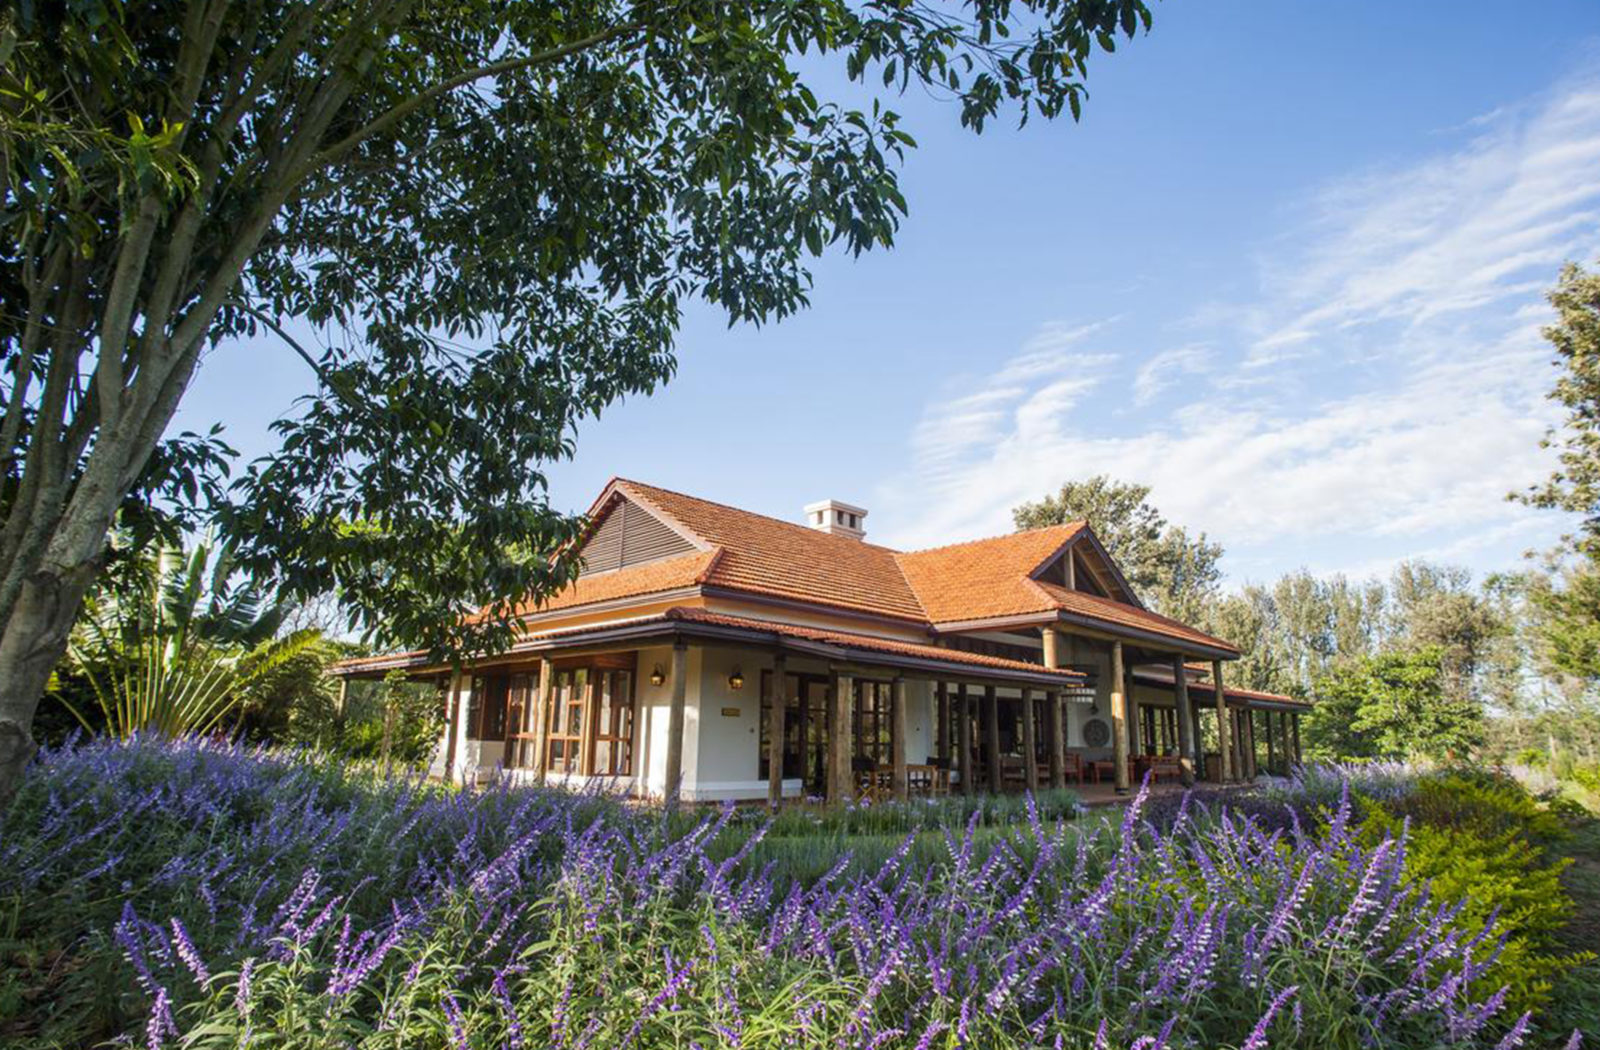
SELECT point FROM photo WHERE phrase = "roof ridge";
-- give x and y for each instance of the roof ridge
(807, 529)
(1076, 526)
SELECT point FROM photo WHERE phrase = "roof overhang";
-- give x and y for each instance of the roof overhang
(665, 629)
(1155, 639)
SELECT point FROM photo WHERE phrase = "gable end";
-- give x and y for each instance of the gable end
(630, 535)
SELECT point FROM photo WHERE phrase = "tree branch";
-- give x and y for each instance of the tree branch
(509, 65)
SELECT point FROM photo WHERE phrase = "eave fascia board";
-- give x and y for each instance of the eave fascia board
(677, 594)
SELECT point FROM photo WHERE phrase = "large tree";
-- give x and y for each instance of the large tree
(1175, 571)
(1575, 484)
(494, 212)
(1394, 705)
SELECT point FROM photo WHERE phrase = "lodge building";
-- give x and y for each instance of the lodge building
(708, 653)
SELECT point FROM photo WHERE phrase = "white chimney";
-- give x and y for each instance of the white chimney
(837, 519)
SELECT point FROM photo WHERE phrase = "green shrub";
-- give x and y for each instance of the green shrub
(1484, 840)
(1484, 804)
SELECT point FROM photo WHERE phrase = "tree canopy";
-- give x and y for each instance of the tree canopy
(1393, 705)
(1168, 567)
(493, 213)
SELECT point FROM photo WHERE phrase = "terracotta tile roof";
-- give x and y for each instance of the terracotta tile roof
(1113, 613)
(984, 578)
(870, 643)
(768, 556)
(755, 554)
(685, 570)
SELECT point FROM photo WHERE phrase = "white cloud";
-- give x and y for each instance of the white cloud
(1384, 389)
(1167, 369)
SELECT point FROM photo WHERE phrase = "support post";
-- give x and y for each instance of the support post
(541, 718)
(839, 780)
(777, 711)
(1294, 724)
(1052, 645)
(1202, 764)
(897, 741)
(1119, 719)
(1058, 740)
(991, 739)
(680, 692)
(941, 740)
(964, 738)
(1030, 743)
(451, 743)
(1224, 730)
(1136, 746)
(1272, 744)
(1249, 718)
(1185, 720)
(591, 715)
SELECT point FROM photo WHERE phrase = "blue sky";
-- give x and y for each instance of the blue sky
(1288, 270)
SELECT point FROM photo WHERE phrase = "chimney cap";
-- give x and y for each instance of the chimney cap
(837, 518)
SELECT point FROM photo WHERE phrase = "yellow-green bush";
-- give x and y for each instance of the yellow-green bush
(1484, 839)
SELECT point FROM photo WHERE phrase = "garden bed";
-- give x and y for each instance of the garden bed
(203, 895)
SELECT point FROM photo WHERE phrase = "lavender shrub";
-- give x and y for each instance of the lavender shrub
(229, 897)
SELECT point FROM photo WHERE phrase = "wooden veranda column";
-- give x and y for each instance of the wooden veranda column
(1224, 730)
(1272, 745)
(1294, 723)
(840, 787)
(1058, 740)
(1136, 746)
(1185, 720)
(1030, 743)
(1201, 767)
(1247, 720)
(591, 708)
(453, 702)
(777, 711)
(941, 736)
(897, 741)
(541, 718)
(1119, 718)
(991, 739)
(964, 738)
(680, 692)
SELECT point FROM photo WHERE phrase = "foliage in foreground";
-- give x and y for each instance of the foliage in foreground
(213, 895)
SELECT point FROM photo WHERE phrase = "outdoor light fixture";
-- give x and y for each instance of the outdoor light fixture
(736, 680)
(657, 675)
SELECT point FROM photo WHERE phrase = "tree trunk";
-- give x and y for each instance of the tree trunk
(33, 643)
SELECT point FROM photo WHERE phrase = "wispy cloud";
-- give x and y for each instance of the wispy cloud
(1167, 368)
(1382, 389)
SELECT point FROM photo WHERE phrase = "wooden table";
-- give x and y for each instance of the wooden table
(1102, 768)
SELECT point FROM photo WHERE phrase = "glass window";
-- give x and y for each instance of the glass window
(566, 720)
(613, 740)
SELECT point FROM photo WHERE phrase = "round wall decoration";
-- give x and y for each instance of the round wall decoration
(1096, 733)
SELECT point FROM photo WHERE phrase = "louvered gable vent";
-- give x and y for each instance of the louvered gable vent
(630, 535)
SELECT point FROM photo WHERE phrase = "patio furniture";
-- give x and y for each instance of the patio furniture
(1103, 769)
(1072, 767)
(1165, 767)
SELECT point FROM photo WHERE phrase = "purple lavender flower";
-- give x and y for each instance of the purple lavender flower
(1257, 1039)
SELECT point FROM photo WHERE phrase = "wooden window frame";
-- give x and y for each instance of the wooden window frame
(573, 724)
(562, 706)
(623, 719)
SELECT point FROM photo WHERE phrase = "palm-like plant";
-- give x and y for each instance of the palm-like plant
(171, 651)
